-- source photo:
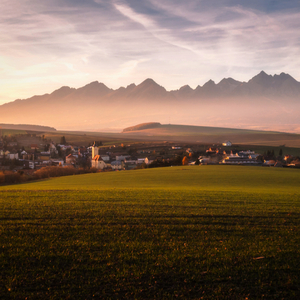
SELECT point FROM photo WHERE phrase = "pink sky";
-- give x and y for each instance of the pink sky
(48, 44)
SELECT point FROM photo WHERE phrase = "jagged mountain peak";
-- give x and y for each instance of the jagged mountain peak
(130, 86)
(186, 88)
(210, 82)
(229, 80)
(150, 84)
(147, 87)
(62, 92)
(262, 79)
(94, 85)
(149, 81)
(264, 97)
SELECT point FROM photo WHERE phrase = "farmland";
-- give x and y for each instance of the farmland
(211, 232)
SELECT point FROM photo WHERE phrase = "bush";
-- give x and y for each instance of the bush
(10, 177)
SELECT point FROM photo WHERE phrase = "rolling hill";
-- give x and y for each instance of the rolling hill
(27, 127)
(204, 134)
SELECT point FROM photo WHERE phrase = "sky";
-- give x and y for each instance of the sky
(46, 44)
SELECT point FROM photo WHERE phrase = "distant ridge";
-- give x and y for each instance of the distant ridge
(27, 127)
(207, 134)
(268, 102)
(174, 129)
(142, 126)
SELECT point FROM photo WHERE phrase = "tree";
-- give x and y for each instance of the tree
(63, 140)
(185, 161)
(280, 152)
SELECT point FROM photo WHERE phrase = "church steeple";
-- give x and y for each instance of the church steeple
(95, 150)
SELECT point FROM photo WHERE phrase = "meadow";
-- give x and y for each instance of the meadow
(197, 232)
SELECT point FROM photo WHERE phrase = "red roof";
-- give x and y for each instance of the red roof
(97, 158)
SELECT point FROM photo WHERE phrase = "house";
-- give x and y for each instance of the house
(44, 155)
(212, 150)
(34, 147)
(71, 159)
(106, 158)
(122, 157)
(140, 161)
(57, 162)
(12, 156)
(248, 153)
(269, 163)
(98, 163)
(239, 160)
(28, 164)
(295, 163)
(204, 160)
(148, 160)
(27, 156)
(288, 158)
(227, 144)
(117, 165)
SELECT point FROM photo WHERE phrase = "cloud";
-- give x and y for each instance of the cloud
(132, 15)
(72, 42)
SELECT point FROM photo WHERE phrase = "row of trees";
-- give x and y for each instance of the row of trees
(176, 161)
(10, 177)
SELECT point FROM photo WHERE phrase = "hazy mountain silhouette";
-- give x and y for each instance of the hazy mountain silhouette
(264, 102)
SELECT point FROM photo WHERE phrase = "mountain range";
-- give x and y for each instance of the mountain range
(264, 102)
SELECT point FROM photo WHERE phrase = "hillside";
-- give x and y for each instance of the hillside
(204, 134)
(143, 126)
(264, 102)
(27, 127)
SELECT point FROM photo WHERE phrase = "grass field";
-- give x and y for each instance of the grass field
(12, 132)
(203, 134)
(210, 232)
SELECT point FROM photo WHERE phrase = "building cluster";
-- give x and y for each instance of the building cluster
(138, 155)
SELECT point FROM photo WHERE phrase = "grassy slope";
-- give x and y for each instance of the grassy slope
(182, 133)
(217, 178)
(218, 135)
(217, 232)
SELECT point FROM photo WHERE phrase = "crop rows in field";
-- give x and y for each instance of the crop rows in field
(149, 242)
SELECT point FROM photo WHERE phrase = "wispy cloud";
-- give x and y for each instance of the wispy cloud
(46, 44)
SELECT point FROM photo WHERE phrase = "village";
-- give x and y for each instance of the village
(16, 154)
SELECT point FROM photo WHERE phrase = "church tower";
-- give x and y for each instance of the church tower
(95, 150)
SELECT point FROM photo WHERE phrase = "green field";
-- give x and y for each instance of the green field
(210, 232)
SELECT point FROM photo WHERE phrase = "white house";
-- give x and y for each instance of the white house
(12, 156)
(227, 144)
(140, 160)
(106, 158)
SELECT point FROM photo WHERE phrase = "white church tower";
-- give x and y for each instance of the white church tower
(95, 150)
